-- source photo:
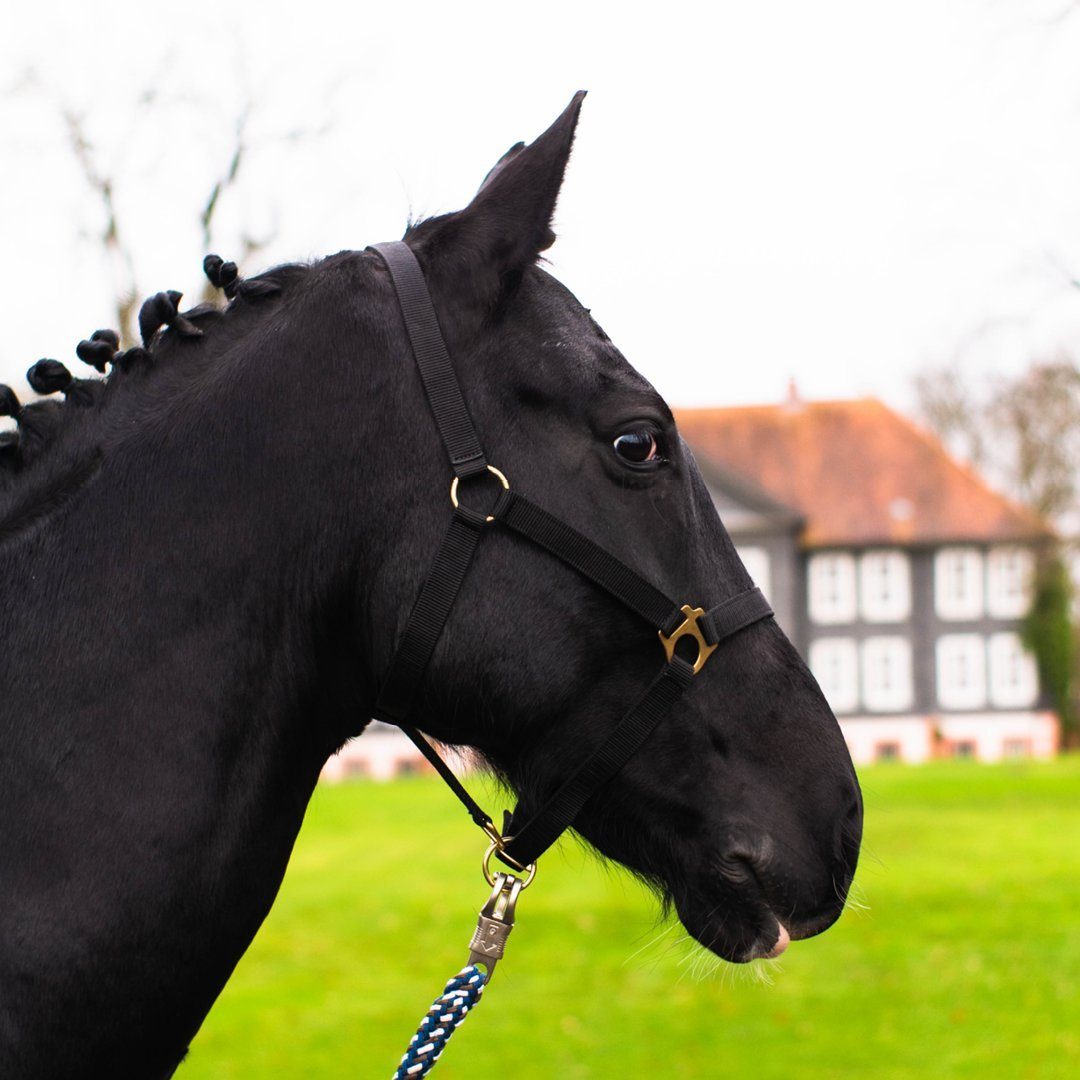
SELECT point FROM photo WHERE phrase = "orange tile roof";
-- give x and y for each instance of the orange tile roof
(858, 472)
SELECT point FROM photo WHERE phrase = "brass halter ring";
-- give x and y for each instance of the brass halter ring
(496, 845)
(494, 472)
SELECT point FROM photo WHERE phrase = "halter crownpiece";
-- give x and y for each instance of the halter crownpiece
(527, 836)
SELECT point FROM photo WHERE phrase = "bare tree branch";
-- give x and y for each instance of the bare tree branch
(122, 265)
(227, 179)
(113, 235)
(1064, 13)
(946, 407)
(249, 245)
(1025, 429)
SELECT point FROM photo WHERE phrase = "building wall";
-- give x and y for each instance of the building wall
(382, 752)
(921, 624)
(925, 627)
(924, 724)
(782, 583)
(915, 738)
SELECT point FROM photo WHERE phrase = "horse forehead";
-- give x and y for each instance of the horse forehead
(564, 330)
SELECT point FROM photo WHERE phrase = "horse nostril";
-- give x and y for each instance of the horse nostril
(718, 742)
(749, 866)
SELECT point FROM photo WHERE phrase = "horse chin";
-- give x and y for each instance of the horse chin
(739, 924)
(734, 922)
(760, 937)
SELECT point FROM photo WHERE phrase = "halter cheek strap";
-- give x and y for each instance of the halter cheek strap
(528, 832)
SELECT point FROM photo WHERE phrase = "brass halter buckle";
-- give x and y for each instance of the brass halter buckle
(689, 628)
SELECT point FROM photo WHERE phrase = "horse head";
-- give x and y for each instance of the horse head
(742, 807)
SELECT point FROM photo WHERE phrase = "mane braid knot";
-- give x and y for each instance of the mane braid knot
(9, 402)
(225, 276)
(161, 310)
(99, 350)
(48, 377)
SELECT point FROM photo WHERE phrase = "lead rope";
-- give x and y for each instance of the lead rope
(446, 1015)
(463, 992)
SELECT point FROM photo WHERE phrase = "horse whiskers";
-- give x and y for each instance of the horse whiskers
(758, 972)
(650, 943)
(856, 899)
(693, 956)
(703, 964)
(867, 852)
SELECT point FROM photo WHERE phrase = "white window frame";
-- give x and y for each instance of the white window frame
(963, 565)
(835, 664)
(956, 655)
(1013, 674)
(891, 568)
(832, 596)
(759, 566)
(897, 695)
(1009, 569)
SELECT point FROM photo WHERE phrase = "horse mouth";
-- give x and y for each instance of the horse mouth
(740, 929)
(732, 916)
(767, 940)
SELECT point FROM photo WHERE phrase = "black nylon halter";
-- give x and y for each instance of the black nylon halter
(528, 835)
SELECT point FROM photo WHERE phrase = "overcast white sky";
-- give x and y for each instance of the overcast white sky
(843, 191)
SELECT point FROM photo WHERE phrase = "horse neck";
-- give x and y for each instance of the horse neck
(176, 669)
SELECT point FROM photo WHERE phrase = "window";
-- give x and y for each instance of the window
(958, 585)
(964, 749)
(887, 751)
(756, 561)
(1016, 748)
(834, 662)
(884, 586)
(886, 674)
(1008, 582)
(1014, 679)
(961, 671)
(832, 588)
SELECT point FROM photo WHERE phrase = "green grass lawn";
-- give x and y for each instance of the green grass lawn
(966, 962)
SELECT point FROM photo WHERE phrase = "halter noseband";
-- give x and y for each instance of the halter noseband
(525, 837)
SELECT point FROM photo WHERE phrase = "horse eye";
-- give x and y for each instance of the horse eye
(637, 447)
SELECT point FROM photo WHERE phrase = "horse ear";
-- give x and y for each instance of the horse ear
(494, 170)
(508, 222)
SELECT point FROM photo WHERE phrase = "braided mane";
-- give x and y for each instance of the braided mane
(169, 336)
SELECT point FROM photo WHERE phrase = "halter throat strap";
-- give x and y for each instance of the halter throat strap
(528, 834)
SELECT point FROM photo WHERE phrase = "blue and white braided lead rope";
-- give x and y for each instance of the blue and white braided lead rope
(444, 1017)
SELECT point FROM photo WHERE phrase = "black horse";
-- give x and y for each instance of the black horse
(207, 559)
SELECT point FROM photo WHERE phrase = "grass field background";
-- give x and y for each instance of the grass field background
(966, 962)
